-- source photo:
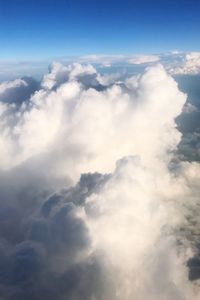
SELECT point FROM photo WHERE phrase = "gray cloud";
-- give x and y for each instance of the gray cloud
(18, 91)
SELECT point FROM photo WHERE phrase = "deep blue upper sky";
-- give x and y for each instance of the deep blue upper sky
(52, 28)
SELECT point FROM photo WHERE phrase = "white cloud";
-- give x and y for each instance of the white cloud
(143, 59)
(190, 65)
(132, 222)
(119, 235)
(111, 116)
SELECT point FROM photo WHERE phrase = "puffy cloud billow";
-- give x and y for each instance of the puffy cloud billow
(95, 203)
(190, 64)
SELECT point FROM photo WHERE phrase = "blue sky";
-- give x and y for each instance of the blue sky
(53, 28)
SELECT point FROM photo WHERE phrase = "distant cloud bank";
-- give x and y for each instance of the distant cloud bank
(177, 63)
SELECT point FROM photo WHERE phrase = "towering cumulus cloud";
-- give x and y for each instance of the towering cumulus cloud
(94, 201)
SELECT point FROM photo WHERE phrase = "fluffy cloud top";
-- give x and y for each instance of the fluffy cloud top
(94, 203)
(90, 120)
(190, 65)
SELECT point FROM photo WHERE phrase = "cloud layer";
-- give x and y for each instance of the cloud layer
(176, 62)
(95, 203)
